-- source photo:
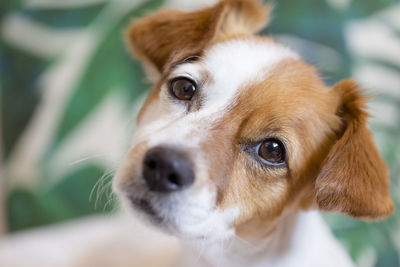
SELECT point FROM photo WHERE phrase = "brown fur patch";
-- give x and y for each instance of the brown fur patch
(284, 105)
(354, 179)
(294, 104)
(156, 38)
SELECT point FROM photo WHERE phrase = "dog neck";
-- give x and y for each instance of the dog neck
(298, 237)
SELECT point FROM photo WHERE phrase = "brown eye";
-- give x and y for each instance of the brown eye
(272, 151)
(183, 88)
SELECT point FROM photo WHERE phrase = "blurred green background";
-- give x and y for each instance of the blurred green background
(70, 91)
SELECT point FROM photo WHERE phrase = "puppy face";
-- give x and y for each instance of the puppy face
(238, 130)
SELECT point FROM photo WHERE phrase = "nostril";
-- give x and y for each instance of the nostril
(174, 179)
(151, 164)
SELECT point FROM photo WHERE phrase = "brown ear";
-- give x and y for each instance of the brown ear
(354, 179)
(156, 38)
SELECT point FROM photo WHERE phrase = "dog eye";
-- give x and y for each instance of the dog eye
(183, 88)
(272, 151)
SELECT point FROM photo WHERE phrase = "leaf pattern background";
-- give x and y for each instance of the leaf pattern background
(70, 92)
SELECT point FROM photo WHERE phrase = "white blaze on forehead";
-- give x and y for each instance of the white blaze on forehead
(231, 66)
(236, 63)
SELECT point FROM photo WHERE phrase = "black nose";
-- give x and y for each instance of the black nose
(165, 170)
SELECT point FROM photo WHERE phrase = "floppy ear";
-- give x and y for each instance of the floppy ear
(354, 179)
(156, 38)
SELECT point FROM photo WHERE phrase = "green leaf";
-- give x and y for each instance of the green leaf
(367, 8)
(313, 20)
(23, 210)
(8, 6)
(66, 200)
(62, 18)
(111, 67)
(19, 74)
(73, 194)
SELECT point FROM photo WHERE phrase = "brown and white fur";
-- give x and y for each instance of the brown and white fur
(239, 212)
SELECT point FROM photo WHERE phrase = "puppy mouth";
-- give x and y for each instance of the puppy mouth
(144, 206)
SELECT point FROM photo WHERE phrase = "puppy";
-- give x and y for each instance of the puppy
(240, 141)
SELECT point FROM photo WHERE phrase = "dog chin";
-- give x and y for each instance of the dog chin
(152, 216)
(164, 224)
(145, 207)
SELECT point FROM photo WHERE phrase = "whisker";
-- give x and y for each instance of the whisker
(109, 202)
(101, 186)
(96, 185)
(85, 159)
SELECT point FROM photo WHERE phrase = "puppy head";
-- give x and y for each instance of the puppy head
(238, 131)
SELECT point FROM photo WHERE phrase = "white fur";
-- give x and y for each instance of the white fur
(232, 66)
(311, 244)
(195, 216)
(237, 63)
